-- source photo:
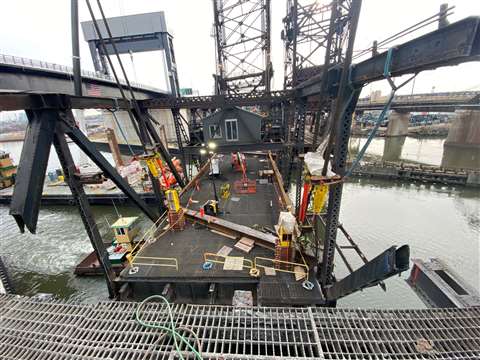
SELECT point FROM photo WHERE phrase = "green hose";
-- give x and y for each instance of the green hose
(170, 330)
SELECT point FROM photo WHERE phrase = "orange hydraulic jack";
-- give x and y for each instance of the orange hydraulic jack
(245, 185)
(238, 159)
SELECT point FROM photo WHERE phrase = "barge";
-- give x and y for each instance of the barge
(235, 248)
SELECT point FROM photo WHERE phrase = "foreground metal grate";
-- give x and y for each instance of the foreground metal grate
(353, 334)
(58, 330)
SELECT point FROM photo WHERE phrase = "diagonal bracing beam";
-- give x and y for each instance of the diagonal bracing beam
(76, 187)
(89, 149)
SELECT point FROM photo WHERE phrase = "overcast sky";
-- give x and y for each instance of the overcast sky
(41, 30)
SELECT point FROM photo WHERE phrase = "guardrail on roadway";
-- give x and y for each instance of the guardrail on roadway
(64, 69)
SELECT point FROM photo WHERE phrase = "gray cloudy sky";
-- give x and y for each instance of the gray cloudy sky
(41, 30)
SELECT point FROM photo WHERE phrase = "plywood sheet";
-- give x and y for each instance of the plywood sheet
(233, 263)
(224, 251)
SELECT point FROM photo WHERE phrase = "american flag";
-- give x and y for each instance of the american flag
(94, 90)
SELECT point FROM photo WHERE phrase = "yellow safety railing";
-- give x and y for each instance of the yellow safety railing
(173, 262)
(214, 258)
(147, 237)
(275, 261)
(136, 260)
(248, 264)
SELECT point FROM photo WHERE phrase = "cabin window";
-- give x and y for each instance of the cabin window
(231, 129)
(215, 132)
(120, 231)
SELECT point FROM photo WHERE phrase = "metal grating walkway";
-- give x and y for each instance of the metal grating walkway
(32, 329)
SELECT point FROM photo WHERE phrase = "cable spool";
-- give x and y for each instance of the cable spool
(308, 285)
(207, 265)
(133, 270)
(254, 272)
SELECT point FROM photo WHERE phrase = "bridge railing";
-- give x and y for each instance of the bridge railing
(441, 96)
(64, 69)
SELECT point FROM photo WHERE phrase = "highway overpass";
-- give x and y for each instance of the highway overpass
(22, 74)
(431, 102)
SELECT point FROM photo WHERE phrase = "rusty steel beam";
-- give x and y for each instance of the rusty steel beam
(242, 34)
(285, 199)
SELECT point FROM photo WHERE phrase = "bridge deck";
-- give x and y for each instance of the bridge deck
(32, 329)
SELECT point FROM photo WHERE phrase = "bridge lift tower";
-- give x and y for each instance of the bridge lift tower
(131, 34)
(242, 40)
(315, 36)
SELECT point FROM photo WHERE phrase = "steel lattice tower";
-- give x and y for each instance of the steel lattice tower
(313, 29)
(242, 33)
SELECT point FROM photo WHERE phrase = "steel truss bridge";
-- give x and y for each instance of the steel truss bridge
(51, 120)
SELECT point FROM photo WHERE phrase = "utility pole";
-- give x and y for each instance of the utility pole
(77, 76)
(77, 72)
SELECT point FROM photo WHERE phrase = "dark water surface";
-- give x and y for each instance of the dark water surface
(435, 221)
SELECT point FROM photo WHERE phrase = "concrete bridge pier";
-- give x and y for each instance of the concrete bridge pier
(127, 132)
(462, 146)
(392, 148)
(398, 123)
(165, 127)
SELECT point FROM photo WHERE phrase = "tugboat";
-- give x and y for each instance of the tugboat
(7, 170)
(125, 230)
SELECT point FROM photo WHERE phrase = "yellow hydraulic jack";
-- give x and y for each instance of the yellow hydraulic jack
(156, 167)
(225, 191)
(320, 192)
(151, 161)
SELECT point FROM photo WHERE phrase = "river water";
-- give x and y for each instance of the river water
(402, 148)
(436, 221)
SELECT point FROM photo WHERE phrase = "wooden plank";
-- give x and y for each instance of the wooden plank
(192, 182)
(242, 247)
(224, 251)
(287, 203)
(246, 241)
(270, 271)
(325, 179)
(299, 273)
(224, 226)
(233, 263)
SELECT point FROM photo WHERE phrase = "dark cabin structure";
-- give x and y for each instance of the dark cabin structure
(233, 125)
